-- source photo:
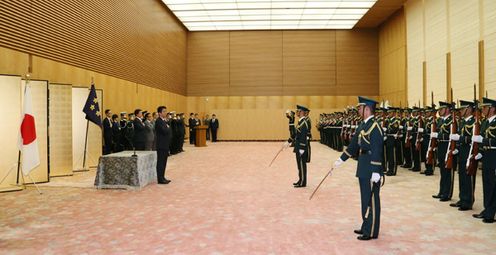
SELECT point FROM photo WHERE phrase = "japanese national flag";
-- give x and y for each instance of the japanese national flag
(27, 136)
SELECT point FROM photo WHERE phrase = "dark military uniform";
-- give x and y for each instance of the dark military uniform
(302, 142)
(429, 168)
(415, 153)
(407, 152)
(488, 132)
(391, 132)
(443, 130)
(291, 124)
(368, 142)
(466, 182)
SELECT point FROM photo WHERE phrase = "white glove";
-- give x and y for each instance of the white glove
(455, 151)
(421, 139)
(409, 128)
(395, 136)
(401, 127)
(434, 135)
(375, 177)
(384, 129)
(302, 151)
(338, 162)
(286, 145)
(420, 130)
(454, 137)
(385, 138)
(478, 156)
(410, 137)
(477, 139)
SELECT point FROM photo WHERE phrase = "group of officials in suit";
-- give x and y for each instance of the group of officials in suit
(458, 140)
(212, 125)
(161, 131)
(136, 131)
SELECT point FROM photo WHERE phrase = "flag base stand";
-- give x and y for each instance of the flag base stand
(14, 187)
(36, 185)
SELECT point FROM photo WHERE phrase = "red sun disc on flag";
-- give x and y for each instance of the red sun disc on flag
(28, 129)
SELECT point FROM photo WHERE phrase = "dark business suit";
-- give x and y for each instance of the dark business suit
(214, 125)
(163, 137)
(107, 136)
(191, 125)
(139, 138)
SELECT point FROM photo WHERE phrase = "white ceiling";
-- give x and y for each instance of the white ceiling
(214, 15)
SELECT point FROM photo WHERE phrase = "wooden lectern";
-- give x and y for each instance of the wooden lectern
(201, 136)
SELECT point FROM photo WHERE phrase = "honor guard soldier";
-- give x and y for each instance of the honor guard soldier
(464, 140)
(442, 134)
(430, 111)
(302, 145)
(407, 138)
(391, 134)
(368, 141)
(487, 139)
(415, 126)
(291, 120)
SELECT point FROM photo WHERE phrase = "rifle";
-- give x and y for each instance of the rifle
(472, 163)
(432, 141)
(408, 142)
(418, 142)
(452, 144)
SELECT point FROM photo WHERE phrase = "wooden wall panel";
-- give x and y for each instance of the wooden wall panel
(309, 61)
(60, 130)
(415, 49)
(283, 63)
(240, 116)
(464, 37)
(10, 102)
(357, 62)
(208, 55)
(489, 33)
(256, 62)
(392, 59)
(436, 47)
(140, 42)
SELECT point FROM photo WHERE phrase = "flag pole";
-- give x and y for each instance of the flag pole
(18, 167)
(85, 144)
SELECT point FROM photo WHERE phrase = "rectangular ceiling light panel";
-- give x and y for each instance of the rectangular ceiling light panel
(221, 15)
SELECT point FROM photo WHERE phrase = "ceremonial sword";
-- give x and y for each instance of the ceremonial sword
(282, 148)
(329, 173)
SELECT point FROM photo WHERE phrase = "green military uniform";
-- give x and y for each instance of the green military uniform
(429, 168)
(415, 153)
(368, 142)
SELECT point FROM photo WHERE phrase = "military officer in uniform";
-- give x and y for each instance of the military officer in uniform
(302, 145)
(391, 133)
(430, 111)
(407, 138)
(368, 141)
(464, 139)
(487, 139)
(442, 134)
(291, 123)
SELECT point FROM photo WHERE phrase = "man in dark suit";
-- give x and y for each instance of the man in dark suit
(116, 134)
(191, 125)
(163, 137)
(107, 132)
(139, 139)
(214, 126)
(368, 142)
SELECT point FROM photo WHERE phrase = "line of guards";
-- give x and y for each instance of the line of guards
(453, 139)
